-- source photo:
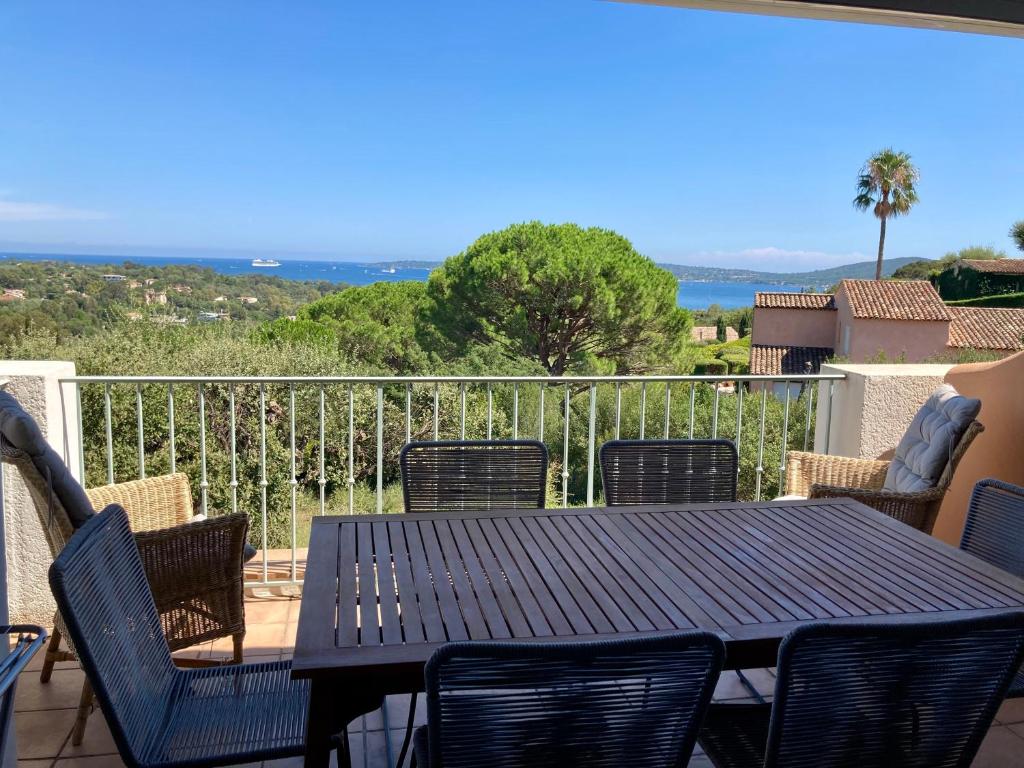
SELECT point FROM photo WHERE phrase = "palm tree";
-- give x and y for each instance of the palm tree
(886, 185)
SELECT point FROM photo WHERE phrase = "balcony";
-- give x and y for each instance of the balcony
(338, 460)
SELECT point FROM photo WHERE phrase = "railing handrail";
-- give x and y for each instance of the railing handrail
(550, 380)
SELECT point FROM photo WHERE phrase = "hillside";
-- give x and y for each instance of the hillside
(76, 299)
(819, 278)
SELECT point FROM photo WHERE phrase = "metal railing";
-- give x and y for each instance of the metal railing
(354, 425)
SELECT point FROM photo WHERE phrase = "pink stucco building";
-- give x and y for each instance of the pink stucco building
(872, 321)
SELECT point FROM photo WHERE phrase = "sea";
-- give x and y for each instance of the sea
(691, 295)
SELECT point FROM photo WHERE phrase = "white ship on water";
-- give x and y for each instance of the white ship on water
(266, 263)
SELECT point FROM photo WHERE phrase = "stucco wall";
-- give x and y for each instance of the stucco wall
(35, 386)
(793, 327)
(996, 452)
(909, 341)
(872, 407)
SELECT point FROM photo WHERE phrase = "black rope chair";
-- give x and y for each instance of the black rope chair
(636, 702)
(919, 694)
(668, 471)
(159, 714)
(473, 475)
(994, 532)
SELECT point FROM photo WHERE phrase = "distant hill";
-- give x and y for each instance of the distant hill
(819, 278)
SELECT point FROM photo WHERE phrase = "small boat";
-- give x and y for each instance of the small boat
(266, 263)
(388, 270)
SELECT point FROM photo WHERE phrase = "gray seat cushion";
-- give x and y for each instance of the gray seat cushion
(929, 442)
(21, 432)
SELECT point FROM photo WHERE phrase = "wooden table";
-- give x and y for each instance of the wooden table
(383, 591)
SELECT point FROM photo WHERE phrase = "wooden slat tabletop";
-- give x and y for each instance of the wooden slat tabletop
(382, 592)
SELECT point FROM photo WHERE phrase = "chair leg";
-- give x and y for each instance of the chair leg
(236, 641)
(52, 655)
(344, 754)
(84, 710)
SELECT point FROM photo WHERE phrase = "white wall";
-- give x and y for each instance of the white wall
(35, 385)
(872, 407)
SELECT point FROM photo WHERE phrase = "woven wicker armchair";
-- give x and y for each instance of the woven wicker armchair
(194, 569)
(818, 477)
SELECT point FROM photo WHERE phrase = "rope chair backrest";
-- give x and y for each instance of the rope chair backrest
(668, 471)
(104, 598)
(916, 695)
(473, 475)
(636, 702)
(994, 530)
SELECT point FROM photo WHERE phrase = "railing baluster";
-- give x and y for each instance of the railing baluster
(322, 474)
(760, 447)
(565, 452)
(618, 410)
(739, 426)
(785, 442)
(351, 450)
(809, 388)
(515, 410)
(693, 401)
(263, 478)
(591, 439)
(714, 413)
(828, 418)
(140, 437)
(81, 441)
(204, 484)
(490, 410)
(234, 450)
(108, 424)
(171, 447)
(540, 412)
(643, 408)
(408, 413)
(380, 448)
(668, 407)
(462, 411)
(293, 480)
(437, 400)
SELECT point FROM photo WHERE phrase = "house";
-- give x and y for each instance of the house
(872, 320)
(709, 333)
(153, 297)
(248, 299)
(221, 298)
(972, 278)
(114, 278)
(13, 294)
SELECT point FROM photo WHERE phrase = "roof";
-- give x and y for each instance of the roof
(770, 300)
(710, 333)
(995, 266)
(894, 300)
(986, 328)
(781, 361)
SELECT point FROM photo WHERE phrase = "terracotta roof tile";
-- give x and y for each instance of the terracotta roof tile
(786, 361)
(995, 266)
(986, 328)
(769, 300)
(894, 300)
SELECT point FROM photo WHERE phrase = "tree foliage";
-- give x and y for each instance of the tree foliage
(926, 269)
(886, 187)
(572, 299)
(1017, 234)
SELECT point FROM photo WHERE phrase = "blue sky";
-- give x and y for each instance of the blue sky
(406, 129)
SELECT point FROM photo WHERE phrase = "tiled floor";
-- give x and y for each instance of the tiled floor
(44, 714)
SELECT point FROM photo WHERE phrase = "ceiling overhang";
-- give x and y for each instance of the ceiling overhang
(988, 17)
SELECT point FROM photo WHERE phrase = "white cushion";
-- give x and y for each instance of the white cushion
(929, 442)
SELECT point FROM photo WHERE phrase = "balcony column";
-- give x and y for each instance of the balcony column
(36, 386)
(872, 407)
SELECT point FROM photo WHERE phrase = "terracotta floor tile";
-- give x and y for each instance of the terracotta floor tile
(1011, 712)
(96, 761)
(97, 739)
(42, 734)
(1002, 748)
(62, 692)
(267, 610)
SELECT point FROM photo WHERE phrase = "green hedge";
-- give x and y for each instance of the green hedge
(999, 300)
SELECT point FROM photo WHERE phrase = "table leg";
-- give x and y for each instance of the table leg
(320, 727)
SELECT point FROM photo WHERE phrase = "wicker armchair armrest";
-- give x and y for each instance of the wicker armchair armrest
(914, 509)
(195, 573)
(152, 504)
(804, 469)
